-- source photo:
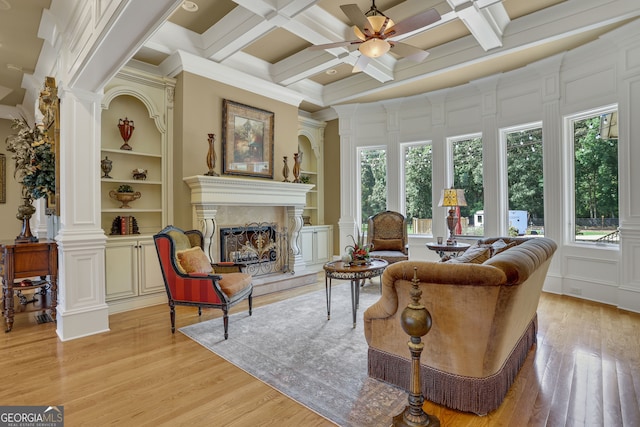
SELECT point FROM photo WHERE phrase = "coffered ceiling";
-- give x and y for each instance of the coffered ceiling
(265, 42)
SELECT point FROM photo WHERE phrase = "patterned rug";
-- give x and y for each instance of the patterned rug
(322, 364)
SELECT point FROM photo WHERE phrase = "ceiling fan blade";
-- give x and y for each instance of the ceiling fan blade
(409, 52)
(361, 64)
(355, 15)
(413, 23)
(332, 45)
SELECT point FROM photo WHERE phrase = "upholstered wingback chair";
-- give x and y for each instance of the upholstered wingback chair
(190, 279)
(387, 231)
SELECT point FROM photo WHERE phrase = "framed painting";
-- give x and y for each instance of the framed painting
(247, 140)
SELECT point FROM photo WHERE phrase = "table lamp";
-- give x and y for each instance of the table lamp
(451, 198)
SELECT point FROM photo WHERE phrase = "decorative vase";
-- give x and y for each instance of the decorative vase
(106, 165)
(285, 170)
(25, 211)
(297, 160)
(126, 130)
(211, 155)
(125, 198)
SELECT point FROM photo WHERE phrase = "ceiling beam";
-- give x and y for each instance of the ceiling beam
(486, 23)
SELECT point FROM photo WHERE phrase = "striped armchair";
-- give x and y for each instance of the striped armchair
(190, 279)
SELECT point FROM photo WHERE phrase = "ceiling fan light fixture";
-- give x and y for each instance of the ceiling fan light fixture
(377, 21)
(374, 48)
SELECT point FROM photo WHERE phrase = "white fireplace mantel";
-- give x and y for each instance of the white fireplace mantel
(208, 193)
(227, 191)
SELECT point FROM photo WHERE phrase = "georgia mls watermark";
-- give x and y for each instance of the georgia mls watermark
(31, 416)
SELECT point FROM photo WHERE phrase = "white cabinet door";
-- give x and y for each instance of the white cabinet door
(121, 269)
(307, 245)
(316, 245)
(322, 239)
(132, 268)
(150, 274)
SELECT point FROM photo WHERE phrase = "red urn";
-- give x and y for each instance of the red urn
(126, 130)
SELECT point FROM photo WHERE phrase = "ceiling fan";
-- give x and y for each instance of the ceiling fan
(375, 31)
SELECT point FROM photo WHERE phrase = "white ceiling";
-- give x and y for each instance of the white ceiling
(254, 38)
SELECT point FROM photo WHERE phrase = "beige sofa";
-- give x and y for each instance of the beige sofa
(484, 323)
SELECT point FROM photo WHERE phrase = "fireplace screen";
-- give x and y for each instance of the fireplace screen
(260, 247)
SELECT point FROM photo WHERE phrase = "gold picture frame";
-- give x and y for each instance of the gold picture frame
(49, 106)
(247, 140)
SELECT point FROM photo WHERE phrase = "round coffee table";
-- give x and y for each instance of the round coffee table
(345, 271)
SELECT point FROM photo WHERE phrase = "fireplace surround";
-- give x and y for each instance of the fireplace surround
(223, 201)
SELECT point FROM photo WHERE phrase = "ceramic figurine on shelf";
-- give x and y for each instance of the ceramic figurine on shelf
(106, 165)
(126, 130)
(211, 155)
(285, 170)
(139, 174)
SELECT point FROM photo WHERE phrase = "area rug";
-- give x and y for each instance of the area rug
(291, 346)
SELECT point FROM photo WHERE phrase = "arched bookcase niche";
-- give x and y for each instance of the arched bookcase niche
(310, 142)
(133, 278)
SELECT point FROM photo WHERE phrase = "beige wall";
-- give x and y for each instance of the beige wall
(197, 112)
(332, 181)
(10, 226)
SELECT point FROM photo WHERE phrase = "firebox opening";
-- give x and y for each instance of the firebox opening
(248, 244)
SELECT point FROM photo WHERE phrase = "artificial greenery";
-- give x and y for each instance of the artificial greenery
(125, 188)
(35, 162)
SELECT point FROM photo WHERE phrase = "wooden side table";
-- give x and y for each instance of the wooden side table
(26, 260)
(354, 273)
(452, 250)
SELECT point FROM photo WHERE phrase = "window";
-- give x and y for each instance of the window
(525, 179)
(417, 187)
(373, 182)
(467, 175)
(594, 137)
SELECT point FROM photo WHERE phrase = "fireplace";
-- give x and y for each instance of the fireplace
(228, 201)
(260, 247)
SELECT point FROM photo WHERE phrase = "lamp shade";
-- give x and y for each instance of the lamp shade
(452, 197)
(374, 48)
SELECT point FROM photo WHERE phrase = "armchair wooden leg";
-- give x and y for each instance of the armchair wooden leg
(172, 312)
(199, 310)
(225, 319)
(250, 303)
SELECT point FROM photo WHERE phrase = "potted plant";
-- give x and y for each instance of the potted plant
(359, 251)
(125, 194)
(34, 168)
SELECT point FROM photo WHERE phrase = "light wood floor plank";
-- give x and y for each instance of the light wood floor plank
(585, 370)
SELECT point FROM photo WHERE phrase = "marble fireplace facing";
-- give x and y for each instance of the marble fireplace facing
(227, 202)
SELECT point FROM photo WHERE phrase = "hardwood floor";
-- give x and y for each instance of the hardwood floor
(585, 371)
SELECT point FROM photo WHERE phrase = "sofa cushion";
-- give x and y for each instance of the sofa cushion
(194, 260)
(500, 246)
(387, 245)
(521, 261)
(473, 255)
